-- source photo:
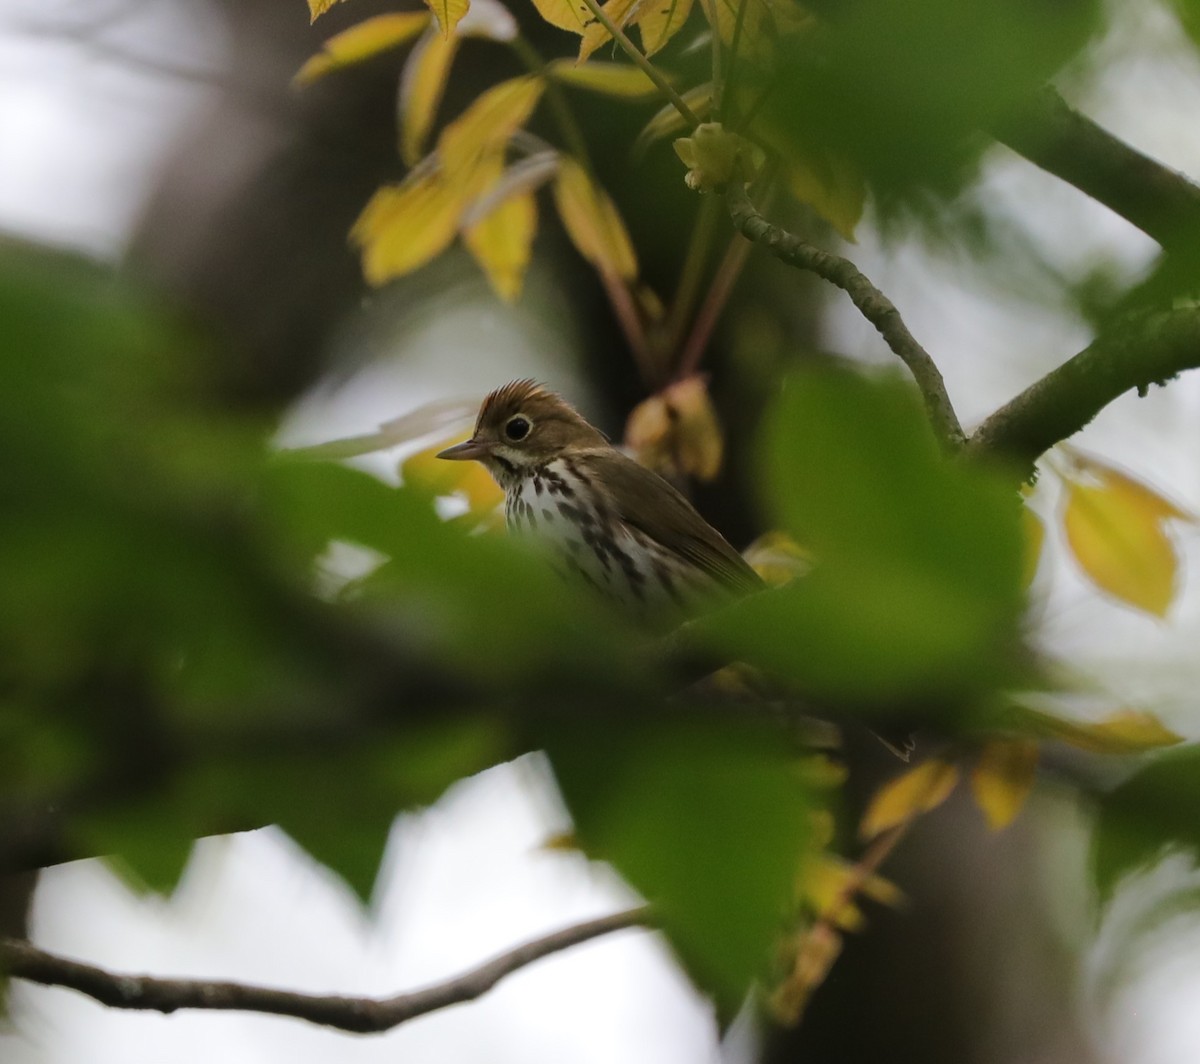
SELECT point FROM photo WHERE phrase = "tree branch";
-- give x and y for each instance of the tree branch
(1151, 349)
(359, 1015)
(1160, 201)
(871, 303)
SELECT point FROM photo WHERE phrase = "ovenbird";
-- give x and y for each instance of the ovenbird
(615, 524)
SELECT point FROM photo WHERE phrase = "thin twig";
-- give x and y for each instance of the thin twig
(871, 303)
(644, 64)
(22, 960)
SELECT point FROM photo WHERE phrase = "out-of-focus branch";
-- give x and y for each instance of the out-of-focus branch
(871, 303)
(1160, 201)
(1151, 349)
(359, 1015)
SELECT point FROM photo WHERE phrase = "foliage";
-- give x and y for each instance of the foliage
(915, 566)
(179, 659)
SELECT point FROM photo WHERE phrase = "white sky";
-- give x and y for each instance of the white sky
(80, 140)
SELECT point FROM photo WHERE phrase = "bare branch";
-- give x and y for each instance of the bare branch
(871, 303)
(1151, 349)
(22, 960)
(1160, 201)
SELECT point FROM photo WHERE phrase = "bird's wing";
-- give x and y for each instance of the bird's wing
(643, 500)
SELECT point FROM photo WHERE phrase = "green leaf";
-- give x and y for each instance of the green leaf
(916, 586)
(708, 820)
(1154, 812)
(337, 800)
(903, 90)
(147, 844)
(452, 594)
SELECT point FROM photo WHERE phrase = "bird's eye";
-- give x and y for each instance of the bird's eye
(517, 428)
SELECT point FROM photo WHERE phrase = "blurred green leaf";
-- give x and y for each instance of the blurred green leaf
(1189, 16)
(143, 842)
(1155, 811)
(907, 89)
(160, 614)
(916, 586)
(337, 800)
(489, 605)
(708, 820)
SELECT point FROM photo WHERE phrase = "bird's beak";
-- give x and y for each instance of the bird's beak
(466, 451)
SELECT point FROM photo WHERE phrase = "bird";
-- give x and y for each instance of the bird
(613, 524)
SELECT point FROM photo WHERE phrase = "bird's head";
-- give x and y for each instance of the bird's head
(521, 427)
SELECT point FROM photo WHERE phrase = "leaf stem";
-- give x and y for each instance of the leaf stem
(692, 273)
(644, 64)
(719, 291)
(626, 311)
(571, 132)
(731, 66)
(718, 80)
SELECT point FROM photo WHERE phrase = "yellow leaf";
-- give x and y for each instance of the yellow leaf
(1116, 532)
(817, 951)
(424, 471)
(909, 795)
(660, 21)
(611, 79)
(1003, 778)
(448, 13)
(618, 12)
(668, 120)
(525, 175)
(832, 187)
(1128, 731)
(572, 15)
(501, 241)
(360, 42)
(677, 430)
(777, 558)
(1142, 494)
(830, 885)
(421, 88)
(828, 890)
(592, 222)
(316, 8)
(1034, 535)
(403, 226)
(489, 122)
